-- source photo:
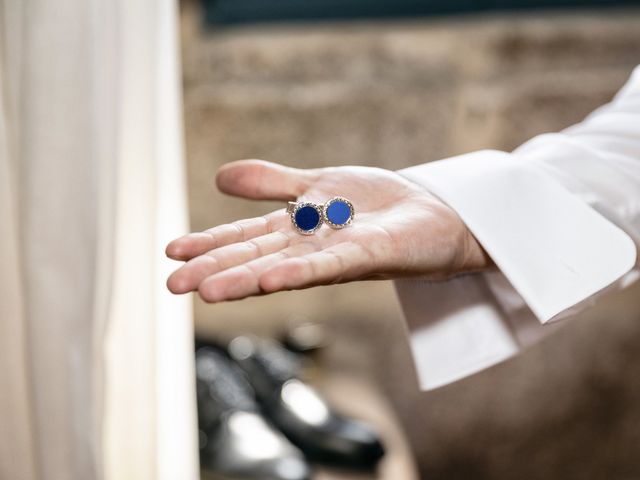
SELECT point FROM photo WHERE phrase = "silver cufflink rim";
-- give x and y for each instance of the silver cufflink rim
(292, 210)
(325, 215)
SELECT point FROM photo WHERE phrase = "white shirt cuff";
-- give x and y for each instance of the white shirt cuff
(553, 248)
(554, 253)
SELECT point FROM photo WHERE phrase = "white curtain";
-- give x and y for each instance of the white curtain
(95, 355)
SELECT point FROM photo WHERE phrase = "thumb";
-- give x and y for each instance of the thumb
(261, 180)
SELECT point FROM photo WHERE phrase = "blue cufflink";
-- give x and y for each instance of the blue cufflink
(307, 217)
(338, 212)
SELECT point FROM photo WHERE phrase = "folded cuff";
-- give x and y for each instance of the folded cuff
(553, 248)
(554, 253)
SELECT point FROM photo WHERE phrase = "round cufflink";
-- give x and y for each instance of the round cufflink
(306, 217)
(338, 212)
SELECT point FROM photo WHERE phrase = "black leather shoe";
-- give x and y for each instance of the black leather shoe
(236, 442)
(299, 411)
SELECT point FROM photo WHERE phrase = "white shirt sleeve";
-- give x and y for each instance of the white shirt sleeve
(560, 217)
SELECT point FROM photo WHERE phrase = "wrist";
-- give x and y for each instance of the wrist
(474, 257)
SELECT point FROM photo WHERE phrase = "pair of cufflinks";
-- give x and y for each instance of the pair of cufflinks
(307, 217)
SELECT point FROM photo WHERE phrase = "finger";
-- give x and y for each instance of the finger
(188, 277)
(198, 243)
(244, 280)
(262, 180)
(339, 263)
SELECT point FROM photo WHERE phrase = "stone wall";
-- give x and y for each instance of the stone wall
(397, 94)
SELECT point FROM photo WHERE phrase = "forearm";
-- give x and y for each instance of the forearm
(561, 218)
(558, 214)
(599, 158)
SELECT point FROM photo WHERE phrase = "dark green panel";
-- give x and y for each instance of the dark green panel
(252, 11)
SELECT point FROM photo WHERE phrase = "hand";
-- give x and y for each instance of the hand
(399, 229)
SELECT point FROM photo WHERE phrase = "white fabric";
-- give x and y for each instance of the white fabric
(560, 217)
(96, 377)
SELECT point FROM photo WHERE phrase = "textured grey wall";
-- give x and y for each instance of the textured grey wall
(392, 95)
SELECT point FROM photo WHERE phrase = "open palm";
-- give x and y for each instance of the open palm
(399, 229)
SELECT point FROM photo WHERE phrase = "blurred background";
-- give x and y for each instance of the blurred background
(393, 84)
